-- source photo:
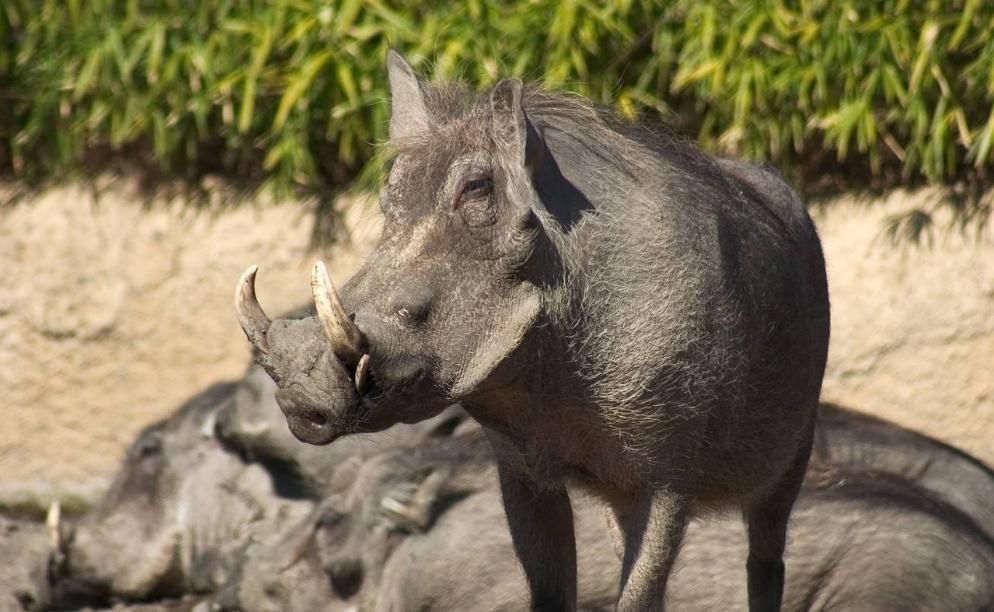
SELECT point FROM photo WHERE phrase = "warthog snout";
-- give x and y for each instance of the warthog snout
(347, 341)
(321, 401)
(346, 576)
(309, 422)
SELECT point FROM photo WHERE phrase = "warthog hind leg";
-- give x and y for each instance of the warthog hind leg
(653, 525)
(766, 520)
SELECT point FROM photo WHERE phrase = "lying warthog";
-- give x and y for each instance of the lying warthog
(862, 542)
(174, 521)
(420, 529)
(209, 481)
(856, 441)
(322, 562)
(618, 310)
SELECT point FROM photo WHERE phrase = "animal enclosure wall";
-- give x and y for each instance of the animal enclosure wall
(114, 308)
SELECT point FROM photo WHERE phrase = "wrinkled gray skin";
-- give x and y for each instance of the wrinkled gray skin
(420, 529)
(619, 311)
(855, 441)
(174, 521)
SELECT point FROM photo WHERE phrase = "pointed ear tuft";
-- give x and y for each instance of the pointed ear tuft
(409, 114)
(508, 118)
(517, 138)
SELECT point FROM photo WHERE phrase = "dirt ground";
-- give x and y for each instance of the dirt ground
(114, 309)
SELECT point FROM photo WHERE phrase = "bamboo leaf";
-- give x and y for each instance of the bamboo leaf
(298, 86)
(272, 86)
(252, 78)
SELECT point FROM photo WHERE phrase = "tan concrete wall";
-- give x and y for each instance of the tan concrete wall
(912, 326)
(113, 310)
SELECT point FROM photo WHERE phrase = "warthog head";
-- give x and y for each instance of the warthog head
(451, 289)
(334, 558)
(174, 521)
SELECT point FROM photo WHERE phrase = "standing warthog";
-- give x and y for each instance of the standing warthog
(618, 310)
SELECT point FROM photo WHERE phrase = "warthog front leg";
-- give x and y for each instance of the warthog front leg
(541, 522)
(652, 524)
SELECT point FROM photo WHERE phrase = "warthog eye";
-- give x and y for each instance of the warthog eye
(149, 446)
(329, 519)
(475, 187)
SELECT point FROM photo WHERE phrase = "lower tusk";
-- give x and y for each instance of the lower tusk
(362, 374)
(54, 523)
(209, 426)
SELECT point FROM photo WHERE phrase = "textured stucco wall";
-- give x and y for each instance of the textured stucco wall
(114, 309)
(912, 326)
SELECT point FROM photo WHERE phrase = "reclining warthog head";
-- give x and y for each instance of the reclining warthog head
(449, 292)
(173, 521)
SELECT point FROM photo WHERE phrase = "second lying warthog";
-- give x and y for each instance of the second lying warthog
(419, 529)
(859, 542)
(618, 310)
(855, 441)
(192, 494)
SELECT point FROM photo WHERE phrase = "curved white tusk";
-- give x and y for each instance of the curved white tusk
(53, 520)
(362, 374)
(345, 337)
(251, 316)
(209, 426)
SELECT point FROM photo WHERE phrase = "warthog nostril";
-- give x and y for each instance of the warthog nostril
(26, 599)
(346, 577)
(316, 418)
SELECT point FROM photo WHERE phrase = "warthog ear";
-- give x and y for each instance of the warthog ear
(413, 504)
(518, 140)
(504, 335)
(345, 474)
(409, 115)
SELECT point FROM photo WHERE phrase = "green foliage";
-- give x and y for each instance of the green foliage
(291, 93)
